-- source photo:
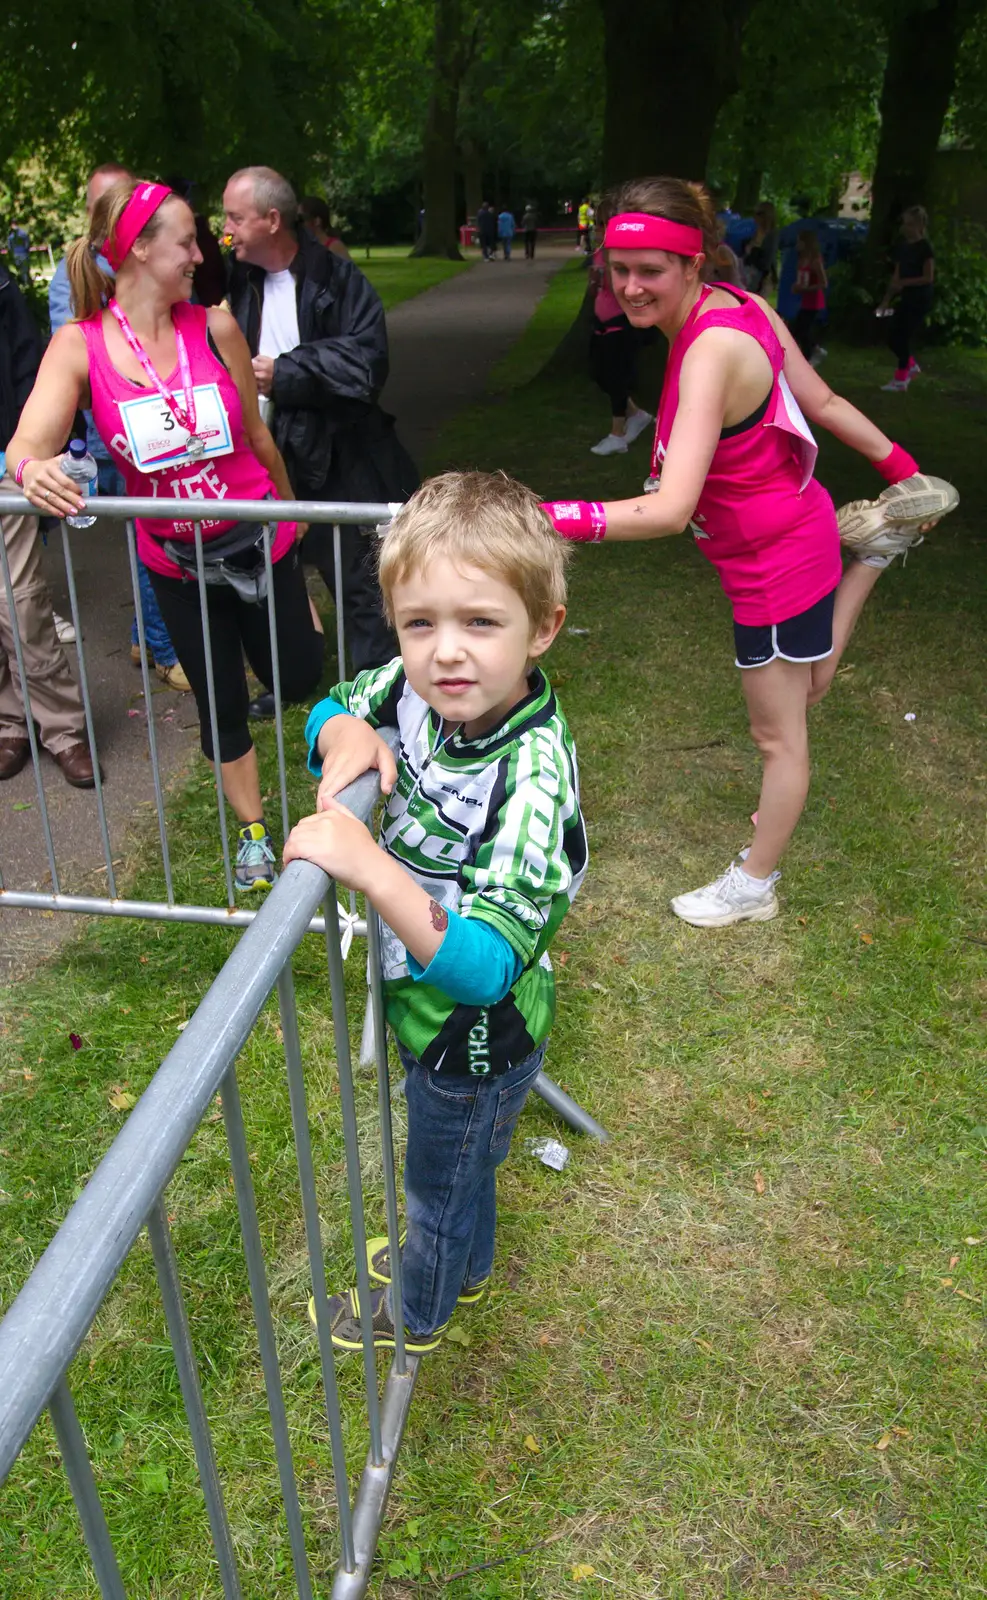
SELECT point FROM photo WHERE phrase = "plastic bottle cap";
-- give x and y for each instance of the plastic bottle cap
(78, 448)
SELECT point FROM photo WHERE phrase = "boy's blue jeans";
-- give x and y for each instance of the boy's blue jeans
(459, 1132)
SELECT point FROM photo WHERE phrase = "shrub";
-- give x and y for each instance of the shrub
(959, 309)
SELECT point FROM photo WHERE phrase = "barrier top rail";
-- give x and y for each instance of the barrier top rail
(51, 1316)
(125, 507)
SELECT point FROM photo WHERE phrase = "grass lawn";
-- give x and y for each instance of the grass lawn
(397, 276)
(737, 1351)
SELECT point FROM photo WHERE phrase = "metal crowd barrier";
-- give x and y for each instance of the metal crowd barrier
(50, 1318)
(123, 509)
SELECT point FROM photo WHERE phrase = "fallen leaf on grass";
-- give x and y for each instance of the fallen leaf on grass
(457, 1335)
(121, 1099)
(884, 1441)
(867, 938)
(27, 1075)
(973, 1241)
(947, 1283)
(583, 1570)
(22, 805)
(531, 1443)
(964, 1296)
(952, 1262)
(759, 1182)
(902, 1433)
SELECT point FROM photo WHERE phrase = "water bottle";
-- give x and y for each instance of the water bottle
(79, 465)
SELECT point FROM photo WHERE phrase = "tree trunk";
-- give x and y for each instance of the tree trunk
(918, 85)
(438, 236)
(670, 66)
(748, 190)
(472, 162)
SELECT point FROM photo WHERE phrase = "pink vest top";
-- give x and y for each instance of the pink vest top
(237, 476)
(763, 521)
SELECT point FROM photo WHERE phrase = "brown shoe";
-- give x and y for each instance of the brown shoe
(77, 766)
(14, 754)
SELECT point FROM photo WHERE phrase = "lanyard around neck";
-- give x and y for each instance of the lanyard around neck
(184, 414)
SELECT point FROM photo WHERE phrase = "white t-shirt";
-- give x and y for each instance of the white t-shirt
(278, 324)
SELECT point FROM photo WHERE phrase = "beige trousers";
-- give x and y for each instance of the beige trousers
(56, 703)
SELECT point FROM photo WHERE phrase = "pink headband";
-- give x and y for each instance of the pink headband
(636, 230)
(134, 218)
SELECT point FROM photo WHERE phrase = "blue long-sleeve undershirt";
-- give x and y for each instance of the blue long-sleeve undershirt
(474, 964)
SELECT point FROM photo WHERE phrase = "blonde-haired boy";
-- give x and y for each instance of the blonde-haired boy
(482, 850)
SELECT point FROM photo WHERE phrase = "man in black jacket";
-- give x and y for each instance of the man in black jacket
(316, 331)
(56, 704)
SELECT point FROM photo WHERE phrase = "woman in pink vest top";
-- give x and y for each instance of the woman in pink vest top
(173, 394)
(733, 462)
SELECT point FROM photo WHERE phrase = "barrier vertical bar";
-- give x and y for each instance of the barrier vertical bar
(337, 566)
(28, 714)
(213, 721)
(188, 1376)
(313, 1237)
(152, 738)
(78, 1470)
(264, 1322)
(386, 1135)
(88, 710)
(272, 623)
(354, 1181)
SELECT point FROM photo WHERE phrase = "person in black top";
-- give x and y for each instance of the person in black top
(911, 281)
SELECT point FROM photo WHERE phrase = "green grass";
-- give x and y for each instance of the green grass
(708, 1327)
(397, 276)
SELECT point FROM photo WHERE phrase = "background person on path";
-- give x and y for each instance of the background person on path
(759, 254)
(164, 656)
(486, 229)
(56, 703)
(584, 233)
(19, 254)
(613, 351)
(129, 360)
(506, 229)
(810, 285)
(733, 460)
(315, 327)
(911, 281)
(482, 851)
(529, 225)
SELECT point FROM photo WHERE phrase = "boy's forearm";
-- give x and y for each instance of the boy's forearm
(419, 921)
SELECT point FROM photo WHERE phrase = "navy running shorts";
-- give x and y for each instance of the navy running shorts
(807, 637)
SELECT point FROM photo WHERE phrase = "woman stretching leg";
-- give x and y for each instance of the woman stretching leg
(734, 459)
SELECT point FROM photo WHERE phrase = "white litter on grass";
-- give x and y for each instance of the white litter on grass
(909, 716)
(549, 1151)
(581, 633)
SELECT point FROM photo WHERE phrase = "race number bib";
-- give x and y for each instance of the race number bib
(157, 439)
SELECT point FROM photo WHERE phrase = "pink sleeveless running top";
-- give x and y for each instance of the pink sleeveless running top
(763, 521)
(237, 476)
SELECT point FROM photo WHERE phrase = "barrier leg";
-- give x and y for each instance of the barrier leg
(565, 1107)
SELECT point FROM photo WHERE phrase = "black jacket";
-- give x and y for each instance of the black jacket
(336, 442)
(20, 352)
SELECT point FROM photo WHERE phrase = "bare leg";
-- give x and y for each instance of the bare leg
(241, 785)
(776, 696)
(855, 586)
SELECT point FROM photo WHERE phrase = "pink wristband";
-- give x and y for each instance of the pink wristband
(19, 474)
(898, 465)
(583, 521)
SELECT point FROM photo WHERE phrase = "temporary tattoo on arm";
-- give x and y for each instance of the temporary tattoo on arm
(639, 511)
(439, 916)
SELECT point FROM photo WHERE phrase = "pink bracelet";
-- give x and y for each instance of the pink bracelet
(19, 474)
(582, 521)
(896, 466)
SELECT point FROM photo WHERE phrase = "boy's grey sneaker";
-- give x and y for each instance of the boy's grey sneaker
(254, 858)
(733, 897)
(344, 1322)
(379, 1267)
(889, 525)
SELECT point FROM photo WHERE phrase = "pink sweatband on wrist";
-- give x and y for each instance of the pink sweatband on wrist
(134, 218)
(581, 521)
(898, 465)
(636, 230)
(19, 474)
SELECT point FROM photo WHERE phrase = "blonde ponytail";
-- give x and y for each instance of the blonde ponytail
(89, 285)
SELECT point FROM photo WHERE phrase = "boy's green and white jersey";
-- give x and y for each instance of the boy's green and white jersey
(490, 828)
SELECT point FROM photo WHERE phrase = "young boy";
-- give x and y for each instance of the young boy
(482, 849)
